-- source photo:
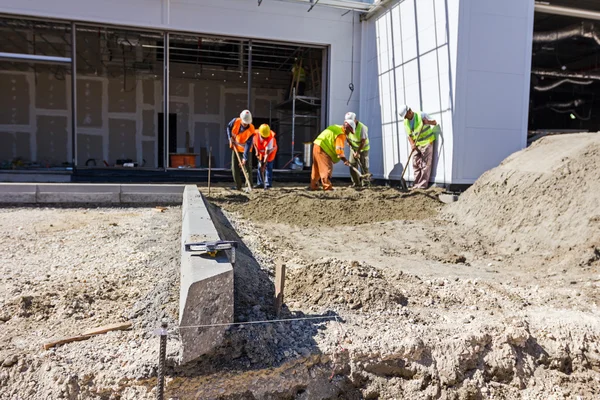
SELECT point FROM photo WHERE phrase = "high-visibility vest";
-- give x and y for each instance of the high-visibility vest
(299, 73)
(261, 145)
(355, 138)
(421, 138)
(239, 139)
(326, 141)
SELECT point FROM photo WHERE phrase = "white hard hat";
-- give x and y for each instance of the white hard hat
(350, 115)
(246, 117)
(351, 123)
(403, 110)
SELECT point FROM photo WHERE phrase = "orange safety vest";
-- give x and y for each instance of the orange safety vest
(239, 139)
(261, 145)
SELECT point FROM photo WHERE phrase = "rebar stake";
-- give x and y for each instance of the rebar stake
(160, 384)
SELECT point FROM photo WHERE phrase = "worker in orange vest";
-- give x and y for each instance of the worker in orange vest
(240, 131)
(266, 149)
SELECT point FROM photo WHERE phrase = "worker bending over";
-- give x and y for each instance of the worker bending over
(359, 150)
(266, 149)
(421, 135)
(328, 149)
(240, 131)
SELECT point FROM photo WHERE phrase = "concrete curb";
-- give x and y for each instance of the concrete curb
(206, 287)
(70, 193)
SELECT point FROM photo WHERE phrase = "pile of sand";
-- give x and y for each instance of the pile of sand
(344, 206)
(342, 285)
(540, 199)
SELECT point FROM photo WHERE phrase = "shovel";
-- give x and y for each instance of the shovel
(402, 181)
(249, 189)
(403, 184)
(262, 170)
(366, 177)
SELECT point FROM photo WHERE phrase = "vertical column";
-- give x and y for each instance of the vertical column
(293, 119)
(166, 100)
(418, 57)
(324, 86)
(73, 96)
(249, 74)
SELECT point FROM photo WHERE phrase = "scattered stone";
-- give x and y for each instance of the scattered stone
(10, 361)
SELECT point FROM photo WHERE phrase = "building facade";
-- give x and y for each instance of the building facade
(467, 63)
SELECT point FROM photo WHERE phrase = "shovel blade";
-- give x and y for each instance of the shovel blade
(403, 184)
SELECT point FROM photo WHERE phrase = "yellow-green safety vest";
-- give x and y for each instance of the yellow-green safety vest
(428, 135)
(355, 138)
(326, 141)
(299, 73)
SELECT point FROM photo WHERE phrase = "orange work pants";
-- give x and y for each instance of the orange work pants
(321, 169)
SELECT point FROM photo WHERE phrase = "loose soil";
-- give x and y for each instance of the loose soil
(343, 206)
(389, 295)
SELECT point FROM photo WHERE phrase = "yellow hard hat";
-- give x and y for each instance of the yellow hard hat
(264, 130)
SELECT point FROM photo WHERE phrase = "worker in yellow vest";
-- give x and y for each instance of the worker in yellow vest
(422, 132)
(359, 150)
(299, 75)
(328, 149)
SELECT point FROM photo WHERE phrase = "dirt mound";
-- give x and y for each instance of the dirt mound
(541, 198)
(298, 207)
(342, 284)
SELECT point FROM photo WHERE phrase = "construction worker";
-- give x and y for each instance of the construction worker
(266, 149)
(421, 135)
(328, 149)
(239, 132)
(359, 149)
(298, 75)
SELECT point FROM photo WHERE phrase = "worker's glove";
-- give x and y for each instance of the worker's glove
(243, 162)
(346, 163)
(355, 154)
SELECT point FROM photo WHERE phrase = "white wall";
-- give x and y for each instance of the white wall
(410, 61)
(493, 75)
(278, 21)
(476, 85)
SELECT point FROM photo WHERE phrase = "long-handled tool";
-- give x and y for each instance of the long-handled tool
(402, 181)
(242, 167)
(362, 169)
(366, 177)
(262, 170)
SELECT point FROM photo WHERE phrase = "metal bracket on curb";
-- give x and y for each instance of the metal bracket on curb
(212, 248)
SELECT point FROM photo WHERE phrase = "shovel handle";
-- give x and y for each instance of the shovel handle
(407, 162)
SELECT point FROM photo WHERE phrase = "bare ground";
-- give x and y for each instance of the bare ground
(495, 296)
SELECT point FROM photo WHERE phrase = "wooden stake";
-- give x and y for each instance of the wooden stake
(209, 165)
(86, 335)
(279, 286)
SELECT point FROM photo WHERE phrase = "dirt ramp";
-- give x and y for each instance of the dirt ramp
(541, 198)
(298, 207)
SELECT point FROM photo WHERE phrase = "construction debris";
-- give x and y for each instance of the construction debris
(88, 334)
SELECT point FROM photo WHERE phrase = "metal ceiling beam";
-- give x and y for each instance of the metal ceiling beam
(34, 58)
(545, 8)
(341, 4)
(374, 9)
